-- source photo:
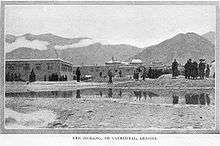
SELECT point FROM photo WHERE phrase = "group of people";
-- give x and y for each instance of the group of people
(193, 70)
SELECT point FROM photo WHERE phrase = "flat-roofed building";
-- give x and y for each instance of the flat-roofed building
(43, 69)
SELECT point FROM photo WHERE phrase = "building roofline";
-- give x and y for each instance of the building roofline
(51, 59)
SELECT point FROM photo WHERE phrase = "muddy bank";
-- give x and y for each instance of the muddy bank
(86, 113)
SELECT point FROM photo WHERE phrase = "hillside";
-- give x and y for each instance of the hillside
(210, 36)
(95, 53)
(180, 47)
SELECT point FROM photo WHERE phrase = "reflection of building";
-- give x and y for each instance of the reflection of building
(43, 68)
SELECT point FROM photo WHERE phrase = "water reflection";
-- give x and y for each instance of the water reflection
(175, 99)
(78, 94)
(110, 93)
(144, 96)
(138, 95)
(202, 98)
(120, 93)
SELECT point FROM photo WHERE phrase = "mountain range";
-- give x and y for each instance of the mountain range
(182, 46)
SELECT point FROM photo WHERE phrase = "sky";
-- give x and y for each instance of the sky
(138, 25)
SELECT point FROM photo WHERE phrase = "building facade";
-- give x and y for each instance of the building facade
(42, 68)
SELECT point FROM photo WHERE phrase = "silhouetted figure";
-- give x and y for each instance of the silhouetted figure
(110, 93)
(194, 70)
(188, 67)
(144, 74)
(202, 99)
(145, 95)
(207, 72)
(110, 76)
(207, 99)
(32, 76)
(201, 69)
(100, 74)
(138, 94)
(175, 99)
(120, 93)
(78, 94)
(175, 68)
(150, 73)
(78, 74)
(100, 93)
(120, 73)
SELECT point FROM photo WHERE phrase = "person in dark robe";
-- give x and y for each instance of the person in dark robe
(100, 74)
(78, 74)
(175, 68)
(201, 69)
(110, 76)
(78, 95)
(187, 68)
(144, 74)
(194, 70)
(207, 72)
(120, 73)
(150, 73)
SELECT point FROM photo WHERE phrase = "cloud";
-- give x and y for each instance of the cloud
(22, 42)
(82, 43)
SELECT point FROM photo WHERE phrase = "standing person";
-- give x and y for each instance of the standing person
(194, 70)
(78, 74)
(144, 74)
(175, 68)
(207, 72)
(137, 75)
(120, 73)
(110, 75)
(201, 69)
(187, 68)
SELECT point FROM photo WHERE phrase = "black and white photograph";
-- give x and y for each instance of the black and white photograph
(86, 66)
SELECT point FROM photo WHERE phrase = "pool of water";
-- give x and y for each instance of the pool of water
(182, 97)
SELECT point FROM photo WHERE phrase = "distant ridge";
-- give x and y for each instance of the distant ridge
(180, 47)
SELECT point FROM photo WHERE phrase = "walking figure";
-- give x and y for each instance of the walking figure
(78, 74)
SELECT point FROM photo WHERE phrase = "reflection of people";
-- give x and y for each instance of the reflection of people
(138, 94)
(120, 93)
(207, 99)
(202, 99)
(175, 99)
(78, 94)
(175, 68)
(110, 93)
(100, 93)
(78, 74)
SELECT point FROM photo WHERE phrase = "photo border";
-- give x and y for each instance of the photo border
(105, 130)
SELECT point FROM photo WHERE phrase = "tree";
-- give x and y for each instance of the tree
(32, 76)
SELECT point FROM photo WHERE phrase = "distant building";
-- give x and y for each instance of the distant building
(43, 68)
(136, 62)
(113, 62)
